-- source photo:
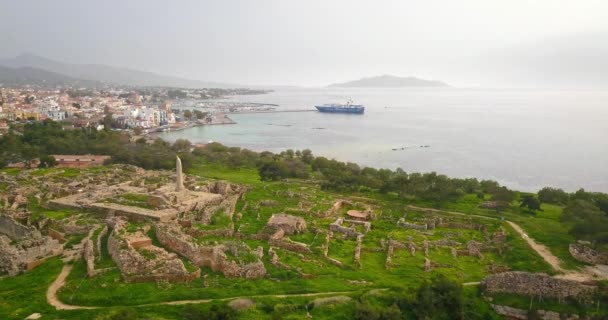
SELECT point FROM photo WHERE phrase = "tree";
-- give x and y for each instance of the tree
(138, 131)
(503, 198)
(187, 114)
(439, 299)
(182, 145)
(587, 220)
(552, 195)
(273, 171)
(530, 202)
(307, 156)
(47, 161)
(199, 114)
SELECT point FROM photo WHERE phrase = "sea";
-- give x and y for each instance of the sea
(525, 139)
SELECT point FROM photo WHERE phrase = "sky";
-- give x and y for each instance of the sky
(313, 42)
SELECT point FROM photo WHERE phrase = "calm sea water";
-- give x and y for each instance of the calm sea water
(525, 139)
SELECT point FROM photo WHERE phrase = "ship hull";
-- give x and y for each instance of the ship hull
(341, 109)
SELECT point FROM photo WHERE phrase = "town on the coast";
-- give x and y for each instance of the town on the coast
(142, 110)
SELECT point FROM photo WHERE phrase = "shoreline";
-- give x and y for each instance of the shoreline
(219, 119)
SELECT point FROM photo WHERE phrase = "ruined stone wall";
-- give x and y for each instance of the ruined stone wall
(336, 226)
(413, 226)
(9, 257)
(290, 245)
(56, 235)
(102, 234)
(89, 257)
(357, 257)
(585, 254)
(26, 254)
(536, 285)
(135, 267)
(14, 229)
(224, 232)
(210, 256)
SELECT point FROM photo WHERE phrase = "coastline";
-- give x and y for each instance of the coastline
(218, 119)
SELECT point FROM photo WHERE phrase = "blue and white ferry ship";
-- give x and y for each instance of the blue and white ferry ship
(342, 108)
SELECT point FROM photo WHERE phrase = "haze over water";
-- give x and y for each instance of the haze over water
(525, 139)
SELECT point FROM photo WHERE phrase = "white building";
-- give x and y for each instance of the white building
(51, 110)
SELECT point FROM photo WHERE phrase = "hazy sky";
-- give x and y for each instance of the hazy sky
(315, 42)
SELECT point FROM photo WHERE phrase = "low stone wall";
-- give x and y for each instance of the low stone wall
(460, 225)
(290, 245)
(515, 313)
(407, 225)
(585, 254)
(224, 232)
(536, 285)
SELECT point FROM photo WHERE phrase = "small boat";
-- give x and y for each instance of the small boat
(342, 108)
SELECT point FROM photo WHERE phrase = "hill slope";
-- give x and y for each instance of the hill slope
(28, 75)
(108, 74)
(390, 81)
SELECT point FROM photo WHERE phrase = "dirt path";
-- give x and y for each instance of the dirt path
(52, 299)
(316, 294)
(51, 292)
(539, 248)
(450, 212)
(588, 273)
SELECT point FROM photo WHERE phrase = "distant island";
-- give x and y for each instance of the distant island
(388, 81)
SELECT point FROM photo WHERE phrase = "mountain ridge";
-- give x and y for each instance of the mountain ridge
(29, 75)
(107, 74)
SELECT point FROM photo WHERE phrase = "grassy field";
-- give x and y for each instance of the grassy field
(24, 294)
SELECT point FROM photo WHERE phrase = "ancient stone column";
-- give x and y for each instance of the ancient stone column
(179, 180)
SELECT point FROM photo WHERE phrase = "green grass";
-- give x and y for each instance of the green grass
(11, 171)
(545, 228)
(407, 273)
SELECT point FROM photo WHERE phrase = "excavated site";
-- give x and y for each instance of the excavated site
(125, 207)
(165, 227)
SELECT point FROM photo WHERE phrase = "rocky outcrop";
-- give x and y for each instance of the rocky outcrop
(584, 253)
(288, 223)
(536, 285)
